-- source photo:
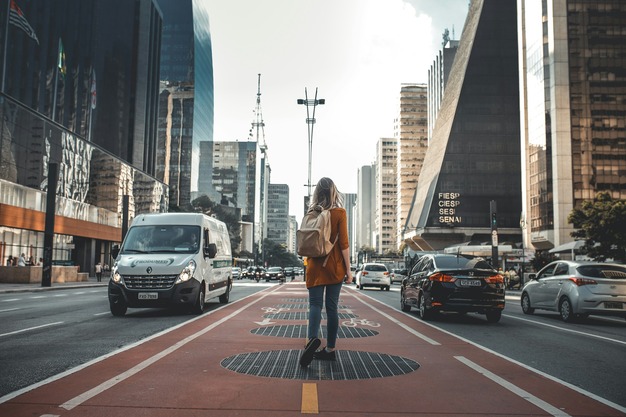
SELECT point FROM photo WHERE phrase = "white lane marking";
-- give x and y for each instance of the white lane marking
(78, 400)
(9, 309)
(399, 323)
(548, 408)
(523, 365)
(60, 295)
(31, 328)
(102, 314)
(37, 296)
(608, 339)
(11, 299)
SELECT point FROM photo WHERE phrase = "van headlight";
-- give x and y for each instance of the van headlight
(115, 275)
(187, 272)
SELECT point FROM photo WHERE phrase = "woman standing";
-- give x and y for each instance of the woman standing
(324, 281)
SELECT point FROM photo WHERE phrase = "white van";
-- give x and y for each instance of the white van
(170, 259)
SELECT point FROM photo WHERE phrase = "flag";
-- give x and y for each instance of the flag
(16, 17)
(61, 62)
(93, 89)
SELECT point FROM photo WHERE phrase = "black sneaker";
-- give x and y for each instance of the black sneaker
(309, 351)
(325, 355)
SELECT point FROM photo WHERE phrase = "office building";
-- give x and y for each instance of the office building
(571, 67)
(349, 203)
(387, 195)
(365, 209)
(78, 98)
(474, 154)
(437, 79)
(278, 213)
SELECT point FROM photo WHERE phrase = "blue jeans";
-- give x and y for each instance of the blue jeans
(316, 300)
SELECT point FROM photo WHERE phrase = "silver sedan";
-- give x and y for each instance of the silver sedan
(577, 289)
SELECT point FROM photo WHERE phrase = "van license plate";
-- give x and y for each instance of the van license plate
(613, 305)
(148, 296)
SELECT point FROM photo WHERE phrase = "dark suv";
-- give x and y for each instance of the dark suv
(274, 272)
(446, 282)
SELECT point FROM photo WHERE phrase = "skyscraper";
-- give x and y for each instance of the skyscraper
(572, 110)
(278, 213)
(387, 194)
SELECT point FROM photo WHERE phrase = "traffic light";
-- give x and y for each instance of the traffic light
(494, 221)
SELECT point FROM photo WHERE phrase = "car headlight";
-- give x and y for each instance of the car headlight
(187, 272)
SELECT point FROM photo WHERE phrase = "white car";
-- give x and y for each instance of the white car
(577, 289)
(373, 275)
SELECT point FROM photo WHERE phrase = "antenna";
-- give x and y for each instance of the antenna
(258, 124)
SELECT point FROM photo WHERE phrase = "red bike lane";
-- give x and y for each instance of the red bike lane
(242, 360)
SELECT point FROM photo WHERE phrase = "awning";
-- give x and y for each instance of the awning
(568, 247)
(478, 250)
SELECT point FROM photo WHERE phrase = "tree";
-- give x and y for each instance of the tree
(601, 222)
(277, 255)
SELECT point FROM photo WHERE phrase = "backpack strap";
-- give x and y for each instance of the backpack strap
(326, 257)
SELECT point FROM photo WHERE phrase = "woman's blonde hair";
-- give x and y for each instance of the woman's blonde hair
(326, 195)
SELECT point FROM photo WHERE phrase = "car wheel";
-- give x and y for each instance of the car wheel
(225, 298)
(198, 307)
(425, 314)
(118, 309)
(565, 308)
(404, 306)
(526, 308)
(493, 316)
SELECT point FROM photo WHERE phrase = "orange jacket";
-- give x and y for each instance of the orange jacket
(335, 269)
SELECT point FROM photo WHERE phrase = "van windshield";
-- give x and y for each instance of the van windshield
(162, 239)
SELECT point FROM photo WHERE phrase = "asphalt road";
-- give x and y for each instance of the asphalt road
(43, 334)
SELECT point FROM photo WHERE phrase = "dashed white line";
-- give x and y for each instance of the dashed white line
(11, 299)
(9, 309)
(32, 328)
(102, 314)
(549, 408)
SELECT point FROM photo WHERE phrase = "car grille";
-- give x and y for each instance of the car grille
(149, 282)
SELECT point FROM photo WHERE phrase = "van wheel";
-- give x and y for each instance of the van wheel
(198, 307)
(118, 309)
(225, 298)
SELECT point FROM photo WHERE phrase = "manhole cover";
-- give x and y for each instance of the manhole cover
(349, 365)
(302, 315)
(300, 332)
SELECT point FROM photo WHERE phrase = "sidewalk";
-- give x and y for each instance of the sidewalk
(11, 288)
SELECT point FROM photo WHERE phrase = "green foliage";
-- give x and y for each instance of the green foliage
(602, 223)
(277, 255)
(541, 259)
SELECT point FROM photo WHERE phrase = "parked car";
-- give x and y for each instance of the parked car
(236, 271)
(458, 283)
(577, 289)
(397, 275)
(274, 272)
(373, 275)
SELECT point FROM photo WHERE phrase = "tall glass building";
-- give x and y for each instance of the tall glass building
(474, 154)
(80, 97)
(187, 64)
(573, 110)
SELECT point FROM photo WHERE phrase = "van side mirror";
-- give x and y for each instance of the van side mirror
(211, 250)
(115, 250)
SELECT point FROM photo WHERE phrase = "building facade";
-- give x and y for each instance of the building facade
(72, 105)
(387, 192)
(437, 79)
(411, 131)
(278, 214)
(365, 208)
(474, 156)
(349, 203)
(571, 66)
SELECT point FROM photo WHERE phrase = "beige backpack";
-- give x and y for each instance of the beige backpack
(313, 236)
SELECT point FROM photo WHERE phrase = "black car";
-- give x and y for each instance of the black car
(459, 283)
(274, 272)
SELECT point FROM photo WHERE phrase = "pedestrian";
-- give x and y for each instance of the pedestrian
(10, 260)
(22, 260)
(324, 282)
(99, 271)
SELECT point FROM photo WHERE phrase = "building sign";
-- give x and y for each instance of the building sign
(448, 203)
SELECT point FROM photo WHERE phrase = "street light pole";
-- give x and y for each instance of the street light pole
(310, 121)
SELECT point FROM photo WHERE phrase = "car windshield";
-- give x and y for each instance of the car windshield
(376, 268)
(162, 239)
(461, 262)
(603, 271)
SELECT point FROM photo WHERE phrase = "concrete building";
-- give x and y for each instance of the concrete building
(291, 237)
(571, 66)
(474, 155)
(437, 79)
(278, 214)
(387, 195)
(349, 203)
(365, 208)
(411, 132)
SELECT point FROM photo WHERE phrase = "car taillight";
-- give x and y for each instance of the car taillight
(385, 273)
(364, 273)
(495, 279)
(582, 281)
(441, 277)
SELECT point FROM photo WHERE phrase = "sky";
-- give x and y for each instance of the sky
(357, 53)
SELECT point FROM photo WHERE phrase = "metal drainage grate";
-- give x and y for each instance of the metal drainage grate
(299, 331)
(302, 300)
(349, 365)
(304, 306)
(303, 315)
